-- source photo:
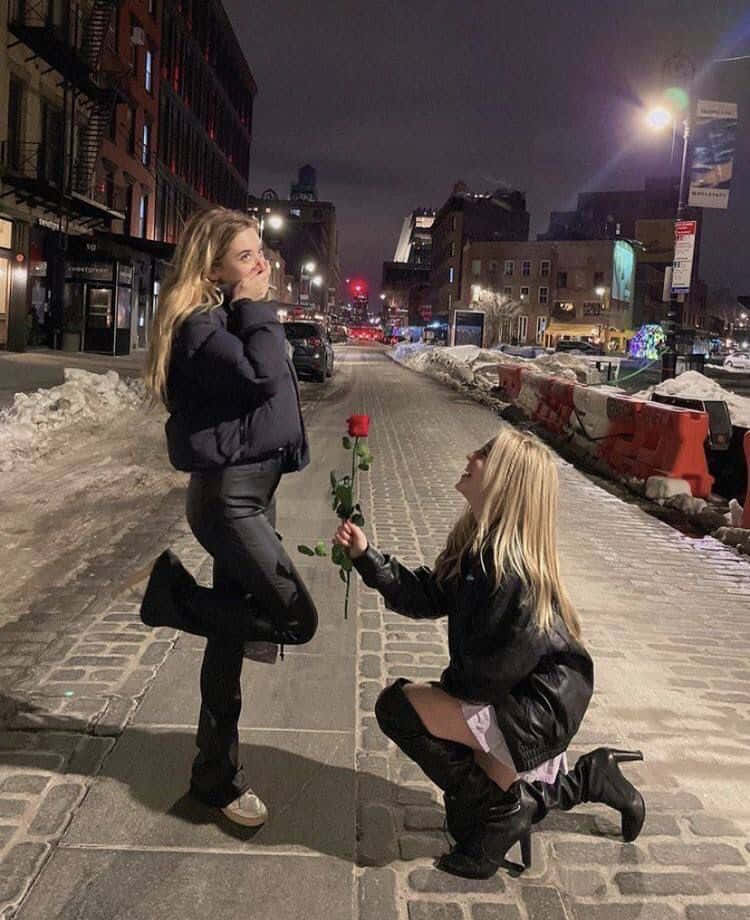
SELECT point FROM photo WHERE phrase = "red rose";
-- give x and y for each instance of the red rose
(359, 425)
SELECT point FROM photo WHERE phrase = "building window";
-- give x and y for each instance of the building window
(592, 308)
(15, 123)
(526, 269)
(598, 279)
(523, 329)
(147, 71)
(508, 292)
(142, 215)
(508, 270)
(541, 325)
(130, 128)
(146, 152)
(152, 7)
(453, 221)
(524, 295)
(562, 279)
(493, 266)
(453, 248)
(543, 295)
(544, 268)
(451, 272)
(135, 33)
(476, 267)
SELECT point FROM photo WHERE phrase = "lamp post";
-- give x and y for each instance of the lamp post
(658, 119)
(274, 221)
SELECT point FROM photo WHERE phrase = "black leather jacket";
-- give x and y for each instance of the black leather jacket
(539, 683)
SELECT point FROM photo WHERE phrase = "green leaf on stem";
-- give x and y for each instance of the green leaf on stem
(346, 564)
(342, 575)
(337, 554)
(306, 550)
(358, 519)
(346, 442)
(320, 548)
(364, 467)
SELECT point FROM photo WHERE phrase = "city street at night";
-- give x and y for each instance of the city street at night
(99, 712)
(375, 457)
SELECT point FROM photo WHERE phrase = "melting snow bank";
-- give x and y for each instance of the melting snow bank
(693, 385)
(468, 364)
(84, 398)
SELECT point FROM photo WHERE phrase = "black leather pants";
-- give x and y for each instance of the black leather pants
(232, 513)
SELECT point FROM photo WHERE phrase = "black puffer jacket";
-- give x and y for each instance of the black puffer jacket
(232, 391)
(539, 683)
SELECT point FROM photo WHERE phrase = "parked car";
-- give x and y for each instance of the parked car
(740, 359)
(313, 351)
(578, 347)
(339, 333)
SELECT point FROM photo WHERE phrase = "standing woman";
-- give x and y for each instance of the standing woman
(218, 360)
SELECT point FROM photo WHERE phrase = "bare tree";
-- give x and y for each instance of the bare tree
(498, 308)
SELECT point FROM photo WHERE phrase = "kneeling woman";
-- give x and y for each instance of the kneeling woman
(493, 733)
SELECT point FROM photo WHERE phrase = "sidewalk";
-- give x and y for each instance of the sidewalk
(354, 828)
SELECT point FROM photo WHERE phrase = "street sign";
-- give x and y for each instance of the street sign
(684, 247)
(713, 143)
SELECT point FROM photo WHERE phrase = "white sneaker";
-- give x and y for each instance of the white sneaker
(248, 810)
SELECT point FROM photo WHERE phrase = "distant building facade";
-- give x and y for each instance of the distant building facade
(205, 115)
(545, 291)
(407, 277)
(465, 216)
(307, 236)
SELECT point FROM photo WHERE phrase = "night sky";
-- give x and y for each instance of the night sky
(392, 102)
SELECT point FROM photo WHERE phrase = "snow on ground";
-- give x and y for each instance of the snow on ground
(469, 364)
(694, 385)
(27, 426)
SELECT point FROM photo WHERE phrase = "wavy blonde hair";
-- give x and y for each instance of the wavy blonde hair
(187, 288)
(517, 528)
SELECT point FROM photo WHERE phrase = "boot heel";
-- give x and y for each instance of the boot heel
(626, 756)
(525, 842)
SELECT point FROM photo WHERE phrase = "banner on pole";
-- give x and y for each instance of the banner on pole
(684, 247)
(714, 136)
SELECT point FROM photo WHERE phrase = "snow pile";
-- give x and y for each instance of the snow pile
(694, 385)
(84, 398)
(477, 366)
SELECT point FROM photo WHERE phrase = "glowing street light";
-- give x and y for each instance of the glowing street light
(310, 267)
(659, 118)
(600, 291)
(275, 222)
(317, 280)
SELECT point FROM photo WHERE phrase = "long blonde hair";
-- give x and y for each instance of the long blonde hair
(187, 289)
(517, 528)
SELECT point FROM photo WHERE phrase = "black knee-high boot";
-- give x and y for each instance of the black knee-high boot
(174, 598)
(596, 777)
(472, 798)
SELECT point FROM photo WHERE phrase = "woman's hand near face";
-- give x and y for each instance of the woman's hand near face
(254, 286)
(352, 538)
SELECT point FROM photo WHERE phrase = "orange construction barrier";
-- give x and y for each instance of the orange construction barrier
(509, 380)
(555, 404)
(671, 443)
(746, 507)
(659, 440)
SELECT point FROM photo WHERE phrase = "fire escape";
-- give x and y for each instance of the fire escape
(58, 173)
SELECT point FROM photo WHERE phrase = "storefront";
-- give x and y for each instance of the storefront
(13, 283)
(97, 306)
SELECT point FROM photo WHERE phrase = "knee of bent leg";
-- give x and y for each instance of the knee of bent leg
(389, 706)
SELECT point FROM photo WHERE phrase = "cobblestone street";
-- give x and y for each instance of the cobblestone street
(98, 714)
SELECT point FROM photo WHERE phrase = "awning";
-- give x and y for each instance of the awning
(574, 329)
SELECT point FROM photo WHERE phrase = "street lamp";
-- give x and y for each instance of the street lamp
(274, 221)
(658, 118)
